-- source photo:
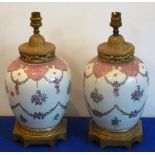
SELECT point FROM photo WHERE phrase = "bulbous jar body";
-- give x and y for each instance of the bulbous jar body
(38, 93)
(116, 93)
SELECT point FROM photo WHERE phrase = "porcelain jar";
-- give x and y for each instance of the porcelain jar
(116, 83)
(38, 83)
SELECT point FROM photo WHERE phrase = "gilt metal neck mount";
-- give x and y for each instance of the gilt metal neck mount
(116, 50)
(36, 50)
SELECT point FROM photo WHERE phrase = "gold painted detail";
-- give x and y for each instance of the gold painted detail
(107, 138)
(40, 137)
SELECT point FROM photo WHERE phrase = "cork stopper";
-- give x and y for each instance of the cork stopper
(37, 50)
(116, 50)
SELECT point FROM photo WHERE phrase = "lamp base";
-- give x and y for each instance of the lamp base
(40, 137)
(107, 138)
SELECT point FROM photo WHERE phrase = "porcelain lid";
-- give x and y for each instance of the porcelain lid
(116, 50)
(37, 50)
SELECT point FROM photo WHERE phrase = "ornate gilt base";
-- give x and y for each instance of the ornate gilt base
(107, 138)
(42, 137)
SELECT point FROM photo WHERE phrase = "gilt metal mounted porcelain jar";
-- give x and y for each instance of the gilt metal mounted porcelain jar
(116, 83)
(38, 82)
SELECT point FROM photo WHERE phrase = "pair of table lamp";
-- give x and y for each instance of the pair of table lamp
(38, 84)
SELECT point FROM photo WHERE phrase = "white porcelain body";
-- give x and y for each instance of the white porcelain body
(116, 93)
(38, 93)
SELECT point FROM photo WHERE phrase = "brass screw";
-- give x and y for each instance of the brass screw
(115, 22)
(36, 21)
